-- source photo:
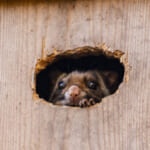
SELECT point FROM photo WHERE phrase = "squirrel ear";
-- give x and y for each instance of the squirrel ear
(53, 76)
(111, 79)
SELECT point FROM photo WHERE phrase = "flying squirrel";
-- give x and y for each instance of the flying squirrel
(83, 88)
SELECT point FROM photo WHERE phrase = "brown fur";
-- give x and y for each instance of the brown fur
(80, 79)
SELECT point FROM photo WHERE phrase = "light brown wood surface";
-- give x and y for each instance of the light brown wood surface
(120, 122)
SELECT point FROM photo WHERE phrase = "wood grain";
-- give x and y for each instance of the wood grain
(120, 122)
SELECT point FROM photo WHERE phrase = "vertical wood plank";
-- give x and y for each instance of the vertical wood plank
(120, 122)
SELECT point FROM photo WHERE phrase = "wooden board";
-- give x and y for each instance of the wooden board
(120, 122)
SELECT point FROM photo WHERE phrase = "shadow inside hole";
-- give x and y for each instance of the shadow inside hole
(45, 80)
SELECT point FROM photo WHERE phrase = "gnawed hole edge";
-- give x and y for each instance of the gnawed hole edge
(74, 59)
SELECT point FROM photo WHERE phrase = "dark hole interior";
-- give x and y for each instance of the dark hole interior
(44, 84)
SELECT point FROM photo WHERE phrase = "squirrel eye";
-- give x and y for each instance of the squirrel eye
(61, 85)
(92, 85)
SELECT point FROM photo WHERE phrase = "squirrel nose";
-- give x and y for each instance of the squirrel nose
(74, 91)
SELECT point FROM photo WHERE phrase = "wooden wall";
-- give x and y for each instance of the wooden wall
(120, 122)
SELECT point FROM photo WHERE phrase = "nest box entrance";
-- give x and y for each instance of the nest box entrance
(84, 59)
